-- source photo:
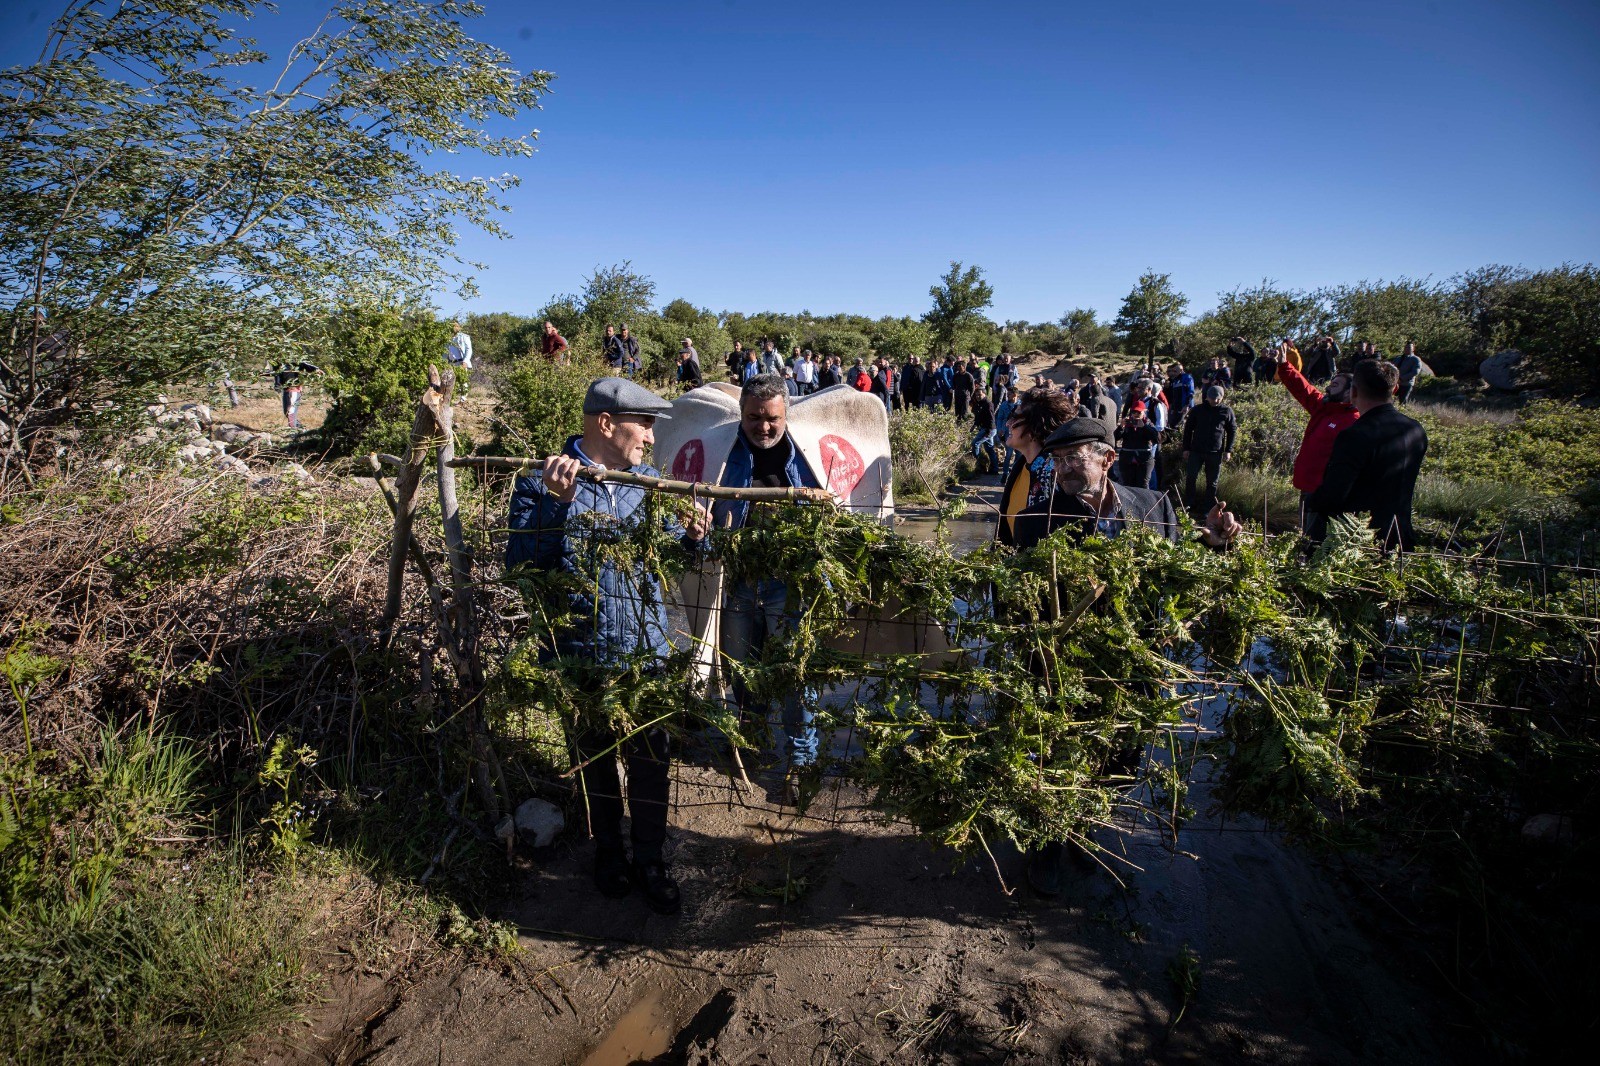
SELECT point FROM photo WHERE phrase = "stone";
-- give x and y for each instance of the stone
(229, 465)
(199, 410)
(1549, 829)
(1503, 370)
(195, 453)
(539, 822)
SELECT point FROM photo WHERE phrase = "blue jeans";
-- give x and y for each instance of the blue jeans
(983, 444)
(752, 615)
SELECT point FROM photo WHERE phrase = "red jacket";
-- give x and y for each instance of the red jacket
(1329, 418)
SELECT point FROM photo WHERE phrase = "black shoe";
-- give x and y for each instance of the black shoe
(660, 890)
(611, 871)
(1044, 870)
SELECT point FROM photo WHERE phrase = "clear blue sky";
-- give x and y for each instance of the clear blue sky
(836, 157)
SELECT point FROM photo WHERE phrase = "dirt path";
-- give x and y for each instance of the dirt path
(890, 953)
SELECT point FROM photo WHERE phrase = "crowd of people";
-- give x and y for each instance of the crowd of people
(1081, 457)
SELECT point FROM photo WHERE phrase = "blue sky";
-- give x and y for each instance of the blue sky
(836, 157)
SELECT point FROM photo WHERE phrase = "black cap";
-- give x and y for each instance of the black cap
(1078, 431)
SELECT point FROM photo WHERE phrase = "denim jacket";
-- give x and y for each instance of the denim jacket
(629, 613)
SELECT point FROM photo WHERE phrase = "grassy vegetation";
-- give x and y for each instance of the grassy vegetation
(1494, 467)
(207, 764)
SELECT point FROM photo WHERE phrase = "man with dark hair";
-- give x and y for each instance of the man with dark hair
(1409, 367)
(1138, 444)
(630, 352)
(961, 387)
(611, 349)
(1244, 360)
(1331, 414)
(618, 615)
(756, 610)
(1322, 358)
(1375, 462)
(1207, 443)
(689, 375)
(735, 360)
(911, 383)
(1180, 390)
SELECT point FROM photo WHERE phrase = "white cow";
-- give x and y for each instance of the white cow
(842, 434)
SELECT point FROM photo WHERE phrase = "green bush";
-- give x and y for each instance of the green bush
(1261, 495)
(541, 403)
(377, 367)
(927, 445)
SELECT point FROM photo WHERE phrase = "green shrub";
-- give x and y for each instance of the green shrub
(541, 403)
(927, 445)
(1261, 495)
(377, 367)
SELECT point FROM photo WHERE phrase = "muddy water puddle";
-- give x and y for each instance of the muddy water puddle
(967, 533)
(641, 1034)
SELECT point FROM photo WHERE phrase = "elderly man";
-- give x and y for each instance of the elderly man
(1208, 438)
(1374, 463)
(620, 615)
(1085, 500)
(757, 609)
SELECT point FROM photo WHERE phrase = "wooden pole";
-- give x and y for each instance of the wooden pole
(486, 774)
(659, 484)
(408, 493)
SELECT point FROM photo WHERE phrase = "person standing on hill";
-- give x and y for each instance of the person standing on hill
(735, 361)
(911, 383)
(1322, 359)
(611, 349)
(1208, 438)
(1217, 374)
(771, 361)
(883, 383)
(805, 373)
(1409, 366)
(630, 352)
(1331, 414)
(1375, 462)
(748, 369)
(1180, 390)
(553, 345)
(689, 375)
(961, 387)
(286, 379)
(829, 375)
(983, 434)
(1138, 443)
(618, 616)
(459, 352)
(1244, 360)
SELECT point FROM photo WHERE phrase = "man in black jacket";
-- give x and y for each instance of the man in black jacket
(1244, 360)
(1375, 462)
(1207, 443)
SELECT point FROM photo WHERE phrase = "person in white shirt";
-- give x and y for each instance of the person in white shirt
(460, 351)
(805, 373)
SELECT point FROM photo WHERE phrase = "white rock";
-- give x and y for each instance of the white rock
(229, 465)
(199, 410)
(220, 447)
(1503, 370)
(294, 472)
(1549, 828)
(539, 821)
(195, 453)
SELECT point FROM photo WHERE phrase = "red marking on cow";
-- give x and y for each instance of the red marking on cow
(690, 462)
(842, 465)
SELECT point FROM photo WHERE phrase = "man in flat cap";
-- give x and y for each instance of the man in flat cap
(1082, 452)
(621, 614)
(1086, 500)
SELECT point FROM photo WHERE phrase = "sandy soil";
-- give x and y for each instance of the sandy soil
(890, 950)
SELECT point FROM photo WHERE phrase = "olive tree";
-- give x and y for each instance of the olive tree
(958, 303)
(1150, 313)
(173, 195)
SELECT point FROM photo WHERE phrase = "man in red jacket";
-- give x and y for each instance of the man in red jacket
(1331, 413)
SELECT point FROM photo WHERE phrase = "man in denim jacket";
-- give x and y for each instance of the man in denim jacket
(557, 518)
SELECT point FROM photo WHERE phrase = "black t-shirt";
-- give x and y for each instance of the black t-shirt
(767, 469)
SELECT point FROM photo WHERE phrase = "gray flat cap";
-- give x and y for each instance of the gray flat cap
(619, 396)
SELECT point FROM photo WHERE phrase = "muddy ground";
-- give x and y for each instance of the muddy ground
(835, 938)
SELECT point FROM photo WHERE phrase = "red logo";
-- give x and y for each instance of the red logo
(690, 462)
(842, 465)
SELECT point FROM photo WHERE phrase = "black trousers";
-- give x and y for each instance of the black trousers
(646, 754)
(1211, 463)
